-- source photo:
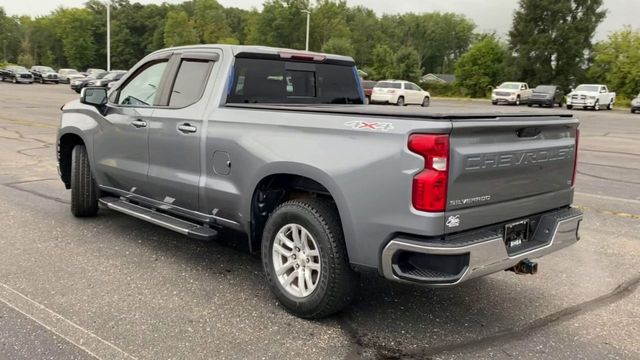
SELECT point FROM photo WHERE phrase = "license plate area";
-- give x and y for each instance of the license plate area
(516, 235)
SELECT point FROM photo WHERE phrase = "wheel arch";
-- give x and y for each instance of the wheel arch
(279, 185)
(66, 143)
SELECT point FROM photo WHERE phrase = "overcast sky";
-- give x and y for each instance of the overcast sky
(489, 15)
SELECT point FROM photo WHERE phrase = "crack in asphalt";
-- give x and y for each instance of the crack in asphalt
(609, 179)
(382, 351)
(16, 186)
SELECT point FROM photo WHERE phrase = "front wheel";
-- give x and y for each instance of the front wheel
(84, 192)
(426, 102)
(569, 107)
(14, 80)
(518, 101)
(305, 258)
(400, 101)
(596, 106)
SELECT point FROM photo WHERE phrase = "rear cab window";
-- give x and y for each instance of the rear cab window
(280, 81)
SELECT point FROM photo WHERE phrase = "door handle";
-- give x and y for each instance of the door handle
(139, 123)
(187, 128)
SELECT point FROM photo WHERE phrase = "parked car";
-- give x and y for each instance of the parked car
(324, 188)
(635, 104)
(111, 76)
(67, 75)
(367, 87)
(514, 93)
(16, 74)
(593, 96)
(79, 84)
(44, 74)
(546, 95)
(92, 72)
(399, 92)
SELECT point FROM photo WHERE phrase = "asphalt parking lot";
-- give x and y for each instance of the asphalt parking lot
(114, 287)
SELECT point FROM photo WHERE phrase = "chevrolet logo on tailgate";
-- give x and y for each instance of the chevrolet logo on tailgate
(519, 158)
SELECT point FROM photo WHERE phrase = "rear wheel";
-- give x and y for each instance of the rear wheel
(305, 258)
(367, 101)
(426, 102)
(610, 105)
(84, 192)
(400, 101)
(494, 102)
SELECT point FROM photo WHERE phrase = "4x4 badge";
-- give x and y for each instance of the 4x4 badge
(453, 221)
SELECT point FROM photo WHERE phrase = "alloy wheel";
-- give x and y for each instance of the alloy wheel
(296, 260)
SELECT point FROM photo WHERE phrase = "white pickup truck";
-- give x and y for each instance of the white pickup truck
(513, 93)
(593, 96)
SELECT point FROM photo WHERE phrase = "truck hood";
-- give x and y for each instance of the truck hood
(586, 93)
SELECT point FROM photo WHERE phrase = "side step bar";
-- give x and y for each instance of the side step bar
(166, 221)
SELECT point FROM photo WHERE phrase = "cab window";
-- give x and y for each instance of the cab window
(142, 89)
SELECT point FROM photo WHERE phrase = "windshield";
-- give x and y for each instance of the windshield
(509, 86)
(388, 85)
(100, 75)
(17, 68)
(285, 82)
(588, 88)
(547, 89)
(45, 68)
(72, 71)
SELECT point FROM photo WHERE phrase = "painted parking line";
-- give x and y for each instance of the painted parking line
(66, 329)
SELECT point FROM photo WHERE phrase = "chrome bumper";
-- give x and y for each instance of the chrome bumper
(485, 253)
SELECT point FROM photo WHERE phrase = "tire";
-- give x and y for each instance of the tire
(84, 192)
(610, 105)
(596, 106)
(336, 282)
(400, 101)
(367, 101)
(14, 80)
(529, 105)
(569, 107)
(494, 103)
(426, 101)
(517, 100)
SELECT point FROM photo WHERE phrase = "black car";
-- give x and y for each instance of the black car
(43, 74)
(16, 74)
(111, 76)
(546, 95)
(79, 84)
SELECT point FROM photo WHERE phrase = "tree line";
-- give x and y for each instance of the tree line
(550, 40)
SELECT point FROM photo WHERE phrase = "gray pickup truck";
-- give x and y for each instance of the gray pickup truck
(276, 145)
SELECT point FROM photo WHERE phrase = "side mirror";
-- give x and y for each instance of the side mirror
(95, 96)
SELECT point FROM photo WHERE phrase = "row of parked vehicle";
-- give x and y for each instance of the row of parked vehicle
(45, 74)
(586, 96)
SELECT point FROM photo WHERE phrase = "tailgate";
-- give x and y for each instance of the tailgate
(506, 168)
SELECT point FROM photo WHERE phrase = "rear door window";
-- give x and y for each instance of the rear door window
(280, 81)
(190, 82)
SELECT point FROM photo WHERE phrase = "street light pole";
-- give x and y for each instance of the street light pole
(306, 47)
(108, 35)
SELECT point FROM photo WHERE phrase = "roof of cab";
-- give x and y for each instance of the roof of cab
(254, 49)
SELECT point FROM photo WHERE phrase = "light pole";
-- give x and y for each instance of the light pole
(108, 35)
(308, 12)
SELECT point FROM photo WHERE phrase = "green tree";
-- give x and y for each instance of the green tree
(328, 20)
(281, 24)
(616, 62)
(179, 30)
(338, 45)
(550, 38)
(382, 66)
(209, 20)
(481, 67)
(74, 26)
(407, 64)
(365, 34)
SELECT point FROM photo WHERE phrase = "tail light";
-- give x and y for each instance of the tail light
(575, 158)
(429, 191)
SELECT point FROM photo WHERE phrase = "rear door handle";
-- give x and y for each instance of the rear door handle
(187, 128)
(139, 123)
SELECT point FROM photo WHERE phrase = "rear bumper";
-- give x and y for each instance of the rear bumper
(475, 253)
(383, 98)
